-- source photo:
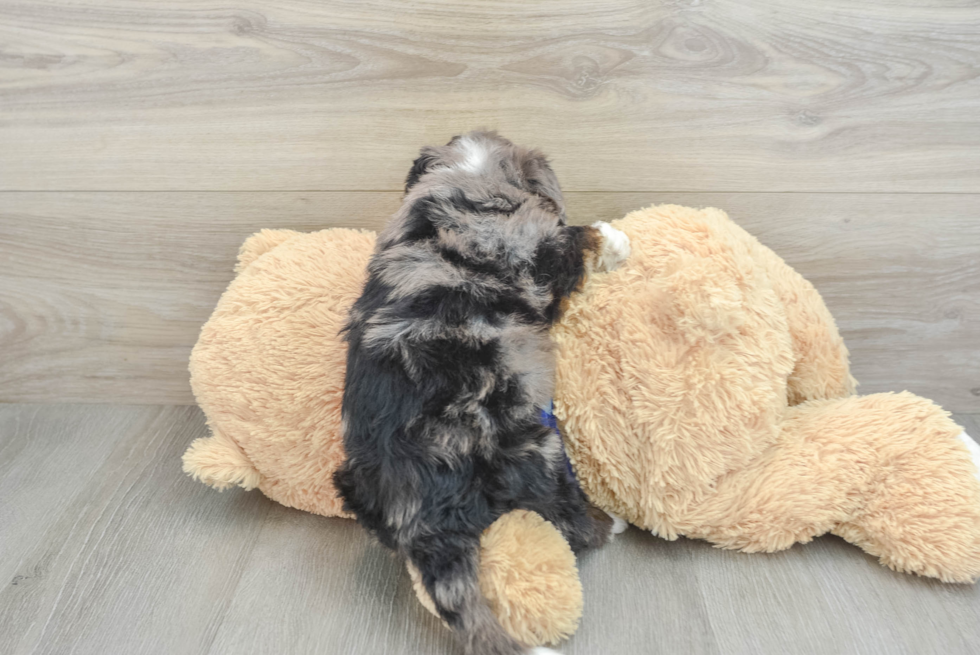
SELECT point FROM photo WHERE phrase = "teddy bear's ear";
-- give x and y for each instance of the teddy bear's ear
(260, 243)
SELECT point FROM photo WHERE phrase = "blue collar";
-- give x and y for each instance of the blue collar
(549, 419)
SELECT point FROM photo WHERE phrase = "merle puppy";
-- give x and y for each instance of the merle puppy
(449, 363)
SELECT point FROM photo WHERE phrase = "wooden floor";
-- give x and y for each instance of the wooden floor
(106, 547)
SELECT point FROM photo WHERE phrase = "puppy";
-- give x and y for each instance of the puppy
(449, 362)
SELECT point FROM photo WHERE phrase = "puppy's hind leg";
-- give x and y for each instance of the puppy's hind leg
(582, 524)
(449, 568)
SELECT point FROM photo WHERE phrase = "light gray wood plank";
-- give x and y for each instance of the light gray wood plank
(316, 585)
(970, 423)
(107, 546)
(830, 597)
(40, 474)
(730, 95)
(103, 294)
(642, 595)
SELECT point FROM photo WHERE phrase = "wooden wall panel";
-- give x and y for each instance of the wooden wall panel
(103, 294)
(627, 95)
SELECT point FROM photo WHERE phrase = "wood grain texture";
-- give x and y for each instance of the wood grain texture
(106, 547)
(627, 95)
(104, 294)
(315, 585)
(118, 116)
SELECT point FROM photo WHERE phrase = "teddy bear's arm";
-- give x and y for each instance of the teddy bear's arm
(822, 366)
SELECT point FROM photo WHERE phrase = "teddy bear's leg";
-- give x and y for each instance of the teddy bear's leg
(800, 488)
(887, 472)
(822, 369)
(922, 507)
(218, 461)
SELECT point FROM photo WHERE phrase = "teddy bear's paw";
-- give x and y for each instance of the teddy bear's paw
(615, 246)
(974, 449)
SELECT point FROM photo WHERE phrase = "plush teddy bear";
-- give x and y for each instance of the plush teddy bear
(702, 390)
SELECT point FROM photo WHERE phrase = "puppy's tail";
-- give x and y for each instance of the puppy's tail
(449, 570)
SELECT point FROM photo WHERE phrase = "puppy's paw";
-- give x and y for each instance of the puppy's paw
(615, 247)
(603, 527)
(619, 525)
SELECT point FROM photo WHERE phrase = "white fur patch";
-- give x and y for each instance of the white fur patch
(974, 449)
(615, 246)
(475, 156)
(619, 525)
(541, 650)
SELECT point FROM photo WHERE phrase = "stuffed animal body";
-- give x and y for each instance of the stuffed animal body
(702, 389)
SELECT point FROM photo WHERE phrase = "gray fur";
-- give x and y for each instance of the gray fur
(449, 363)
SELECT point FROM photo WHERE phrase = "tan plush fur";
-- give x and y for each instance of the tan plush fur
(704, 391)
(529, 578)
(268, 368)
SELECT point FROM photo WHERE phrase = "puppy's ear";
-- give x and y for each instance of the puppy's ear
(543, 182)
(425, 161)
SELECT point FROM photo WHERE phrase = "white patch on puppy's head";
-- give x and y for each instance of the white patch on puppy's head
(474, 155)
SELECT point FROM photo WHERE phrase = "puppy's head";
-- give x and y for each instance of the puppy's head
(486, 163)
